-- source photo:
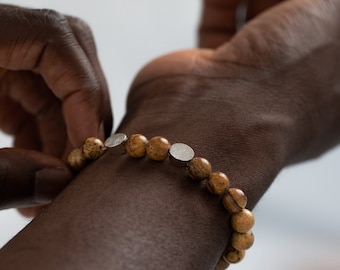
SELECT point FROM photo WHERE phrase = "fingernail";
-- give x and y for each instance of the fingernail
(49, 182)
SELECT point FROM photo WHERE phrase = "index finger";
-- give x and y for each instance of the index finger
(43, 41)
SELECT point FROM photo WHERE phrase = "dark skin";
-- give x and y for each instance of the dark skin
(52, 86)
(267, 98)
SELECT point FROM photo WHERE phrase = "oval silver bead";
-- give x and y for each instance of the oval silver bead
(116, 143)
(181, 152)
(115, 140)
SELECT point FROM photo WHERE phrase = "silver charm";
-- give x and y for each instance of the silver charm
(116, 142)
(181, 152)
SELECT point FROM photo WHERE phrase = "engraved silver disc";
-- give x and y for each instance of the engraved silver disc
(181, 152)
(115, 140)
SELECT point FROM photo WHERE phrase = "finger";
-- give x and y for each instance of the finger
(27, 137)
(52, 130)
(23, 108)
(283, 35)
(17, 122)
(38, 105)
(41, 40)
(27, 89)
(29, 178)
(255, 7)
(31, 211)
(218, 22)
(11, 122)
(85, 38)
(45, 132)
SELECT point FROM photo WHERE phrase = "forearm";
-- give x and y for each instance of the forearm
(139, 214)
(248, 115)
(124, 214)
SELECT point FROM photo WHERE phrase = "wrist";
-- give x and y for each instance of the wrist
(158, 148)
(127, 213)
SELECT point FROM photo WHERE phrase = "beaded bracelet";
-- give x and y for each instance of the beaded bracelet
(199, 169)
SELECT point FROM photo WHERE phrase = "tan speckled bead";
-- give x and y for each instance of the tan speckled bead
(222, 264)
(199, 168)
(135, 145)
(76, 159)
(93, 148)
(242, 221)
(233, 255)
(217, 183)
(234, 200)
(242, 241)
(158, 148)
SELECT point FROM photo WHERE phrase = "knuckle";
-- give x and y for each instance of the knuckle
(52, 16)
(92, 89)
(53, 22)
(79, 25)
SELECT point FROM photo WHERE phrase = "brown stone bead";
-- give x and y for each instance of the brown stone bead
(233, 255)
(234, 200)
(242, 241)
(217, 183)
(93, 148)
(242, 221)
(76, 159)
(135, 145)
(222, 264)
(199, 168)
(158, 148)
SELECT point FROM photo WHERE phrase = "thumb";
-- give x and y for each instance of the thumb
(29, 178)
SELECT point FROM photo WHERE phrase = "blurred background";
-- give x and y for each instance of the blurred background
(297, 221)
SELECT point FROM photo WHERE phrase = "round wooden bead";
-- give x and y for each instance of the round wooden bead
(222, 264)
(234, 200)
(242, 241)
(233, 255)
(93, 148)
(199, 168)
(135, 145)
(157, 148)
(242, 221)
(76, 159)
(218, 183)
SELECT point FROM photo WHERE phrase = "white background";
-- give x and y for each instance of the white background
(297, 221)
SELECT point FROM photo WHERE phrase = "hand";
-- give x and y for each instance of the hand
(52, 95)
(267, 98)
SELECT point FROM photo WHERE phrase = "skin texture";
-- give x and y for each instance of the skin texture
(51, 78)
(267, 98)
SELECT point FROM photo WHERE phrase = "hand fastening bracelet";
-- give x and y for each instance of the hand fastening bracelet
(198, 169)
